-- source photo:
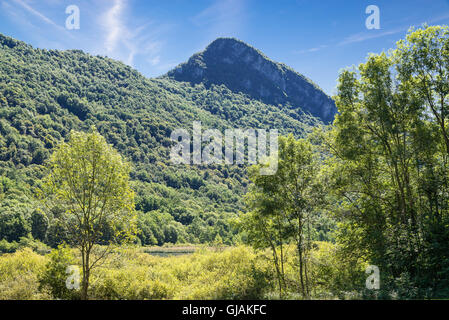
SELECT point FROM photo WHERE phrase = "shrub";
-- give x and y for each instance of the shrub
(8, 247)
(131, 283)
(54, 276)
(236, 273)
(19, 276)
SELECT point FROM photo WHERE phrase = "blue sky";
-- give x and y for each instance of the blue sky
(315, 37)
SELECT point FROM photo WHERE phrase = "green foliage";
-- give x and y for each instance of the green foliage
(44, 94)
(90, 181)
(374, 185)
(209, 273)
(54, 276)
(227, 273)
(24, 242)
(19, 274)
(284, 207)
(390, 150)
(236, 273)
(39, 225)
(157, 228)
(8, 247)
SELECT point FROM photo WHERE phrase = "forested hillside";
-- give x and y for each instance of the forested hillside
(44, 94)
(356, 209)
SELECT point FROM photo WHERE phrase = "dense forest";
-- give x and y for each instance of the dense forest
(46, 94)
(85, 171)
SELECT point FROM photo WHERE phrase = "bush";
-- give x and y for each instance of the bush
(54, 276)
(19, 273)
(35, 245)
(236, 273)
(8, 247)
(24, 242)
(131, 274)
(132, 283)
(336, 274)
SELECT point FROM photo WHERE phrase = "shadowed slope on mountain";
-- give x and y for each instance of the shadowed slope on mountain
(243, 68)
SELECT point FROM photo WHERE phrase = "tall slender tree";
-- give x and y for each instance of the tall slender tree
(90, 180)
(282, 206)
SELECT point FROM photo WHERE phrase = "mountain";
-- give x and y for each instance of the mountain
(44, 94)
(242, 68)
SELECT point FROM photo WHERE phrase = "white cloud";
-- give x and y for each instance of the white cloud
(438, 19)
(37, 13)
(323, 46)
(359, 37)
(113, 25)
(155, 61)
(223, 17)
(370, 35)
(124, 42)
(21, 13)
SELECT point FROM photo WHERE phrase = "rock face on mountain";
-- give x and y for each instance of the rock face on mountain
(243, 68)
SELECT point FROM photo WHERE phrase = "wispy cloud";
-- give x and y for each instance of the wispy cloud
(223, 17)
(363, 36)
(12, 12)
(124, 42)
(359, 37)
(315, 49)
(369, 35)
(22, 14)
(36, 13)
(438, 19)
(113, 25)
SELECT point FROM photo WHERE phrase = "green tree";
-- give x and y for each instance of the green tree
(91, 181)
(39, 225)
(282, 207)
(390, 156)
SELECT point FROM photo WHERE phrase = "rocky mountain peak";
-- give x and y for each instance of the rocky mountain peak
(242, 68)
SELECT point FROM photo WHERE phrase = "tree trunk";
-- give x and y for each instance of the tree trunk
(86, 273)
